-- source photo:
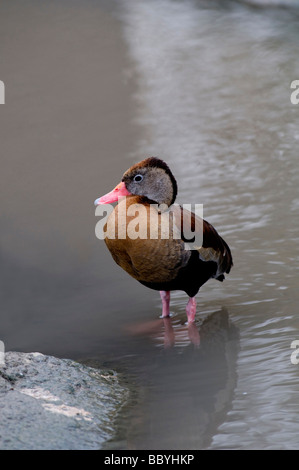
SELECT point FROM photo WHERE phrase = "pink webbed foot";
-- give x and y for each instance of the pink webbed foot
(191, 309)
(165, 297)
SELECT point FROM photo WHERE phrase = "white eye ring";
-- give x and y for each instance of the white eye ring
(138, 178)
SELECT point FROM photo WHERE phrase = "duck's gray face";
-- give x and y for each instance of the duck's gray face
(152, 179)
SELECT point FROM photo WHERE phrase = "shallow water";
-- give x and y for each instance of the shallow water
(92, 87)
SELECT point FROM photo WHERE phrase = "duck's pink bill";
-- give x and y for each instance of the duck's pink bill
(119, 191)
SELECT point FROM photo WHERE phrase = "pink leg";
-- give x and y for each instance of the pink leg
(165, 297)
(191, 309)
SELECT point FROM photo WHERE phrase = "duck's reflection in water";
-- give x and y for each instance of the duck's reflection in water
(174, 331)
(185, 383)
(168, 332)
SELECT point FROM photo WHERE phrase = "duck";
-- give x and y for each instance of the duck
(144, 234)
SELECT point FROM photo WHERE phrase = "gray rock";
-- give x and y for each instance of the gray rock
(50, 403)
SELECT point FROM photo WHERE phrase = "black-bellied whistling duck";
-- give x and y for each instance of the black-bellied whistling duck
(159, 262)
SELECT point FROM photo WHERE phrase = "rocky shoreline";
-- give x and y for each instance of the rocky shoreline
(48, 403)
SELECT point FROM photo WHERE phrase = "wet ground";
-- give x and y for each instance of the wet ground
(92, 87)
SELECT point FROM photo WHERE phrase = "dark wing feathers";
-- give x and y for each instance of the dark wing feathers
(213, 247)
(211, 239)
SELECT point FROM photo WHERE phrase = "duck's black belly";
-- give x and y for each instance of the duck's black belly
(189, 278)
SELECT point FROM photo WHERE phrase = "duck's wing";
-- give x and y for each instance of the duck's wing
(209, 244)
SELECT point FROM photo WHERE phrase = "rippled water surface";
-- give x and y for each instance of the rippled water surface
(92, 87)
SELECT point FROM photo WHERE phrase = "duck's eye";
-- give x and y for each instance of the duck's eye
(138, 178)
